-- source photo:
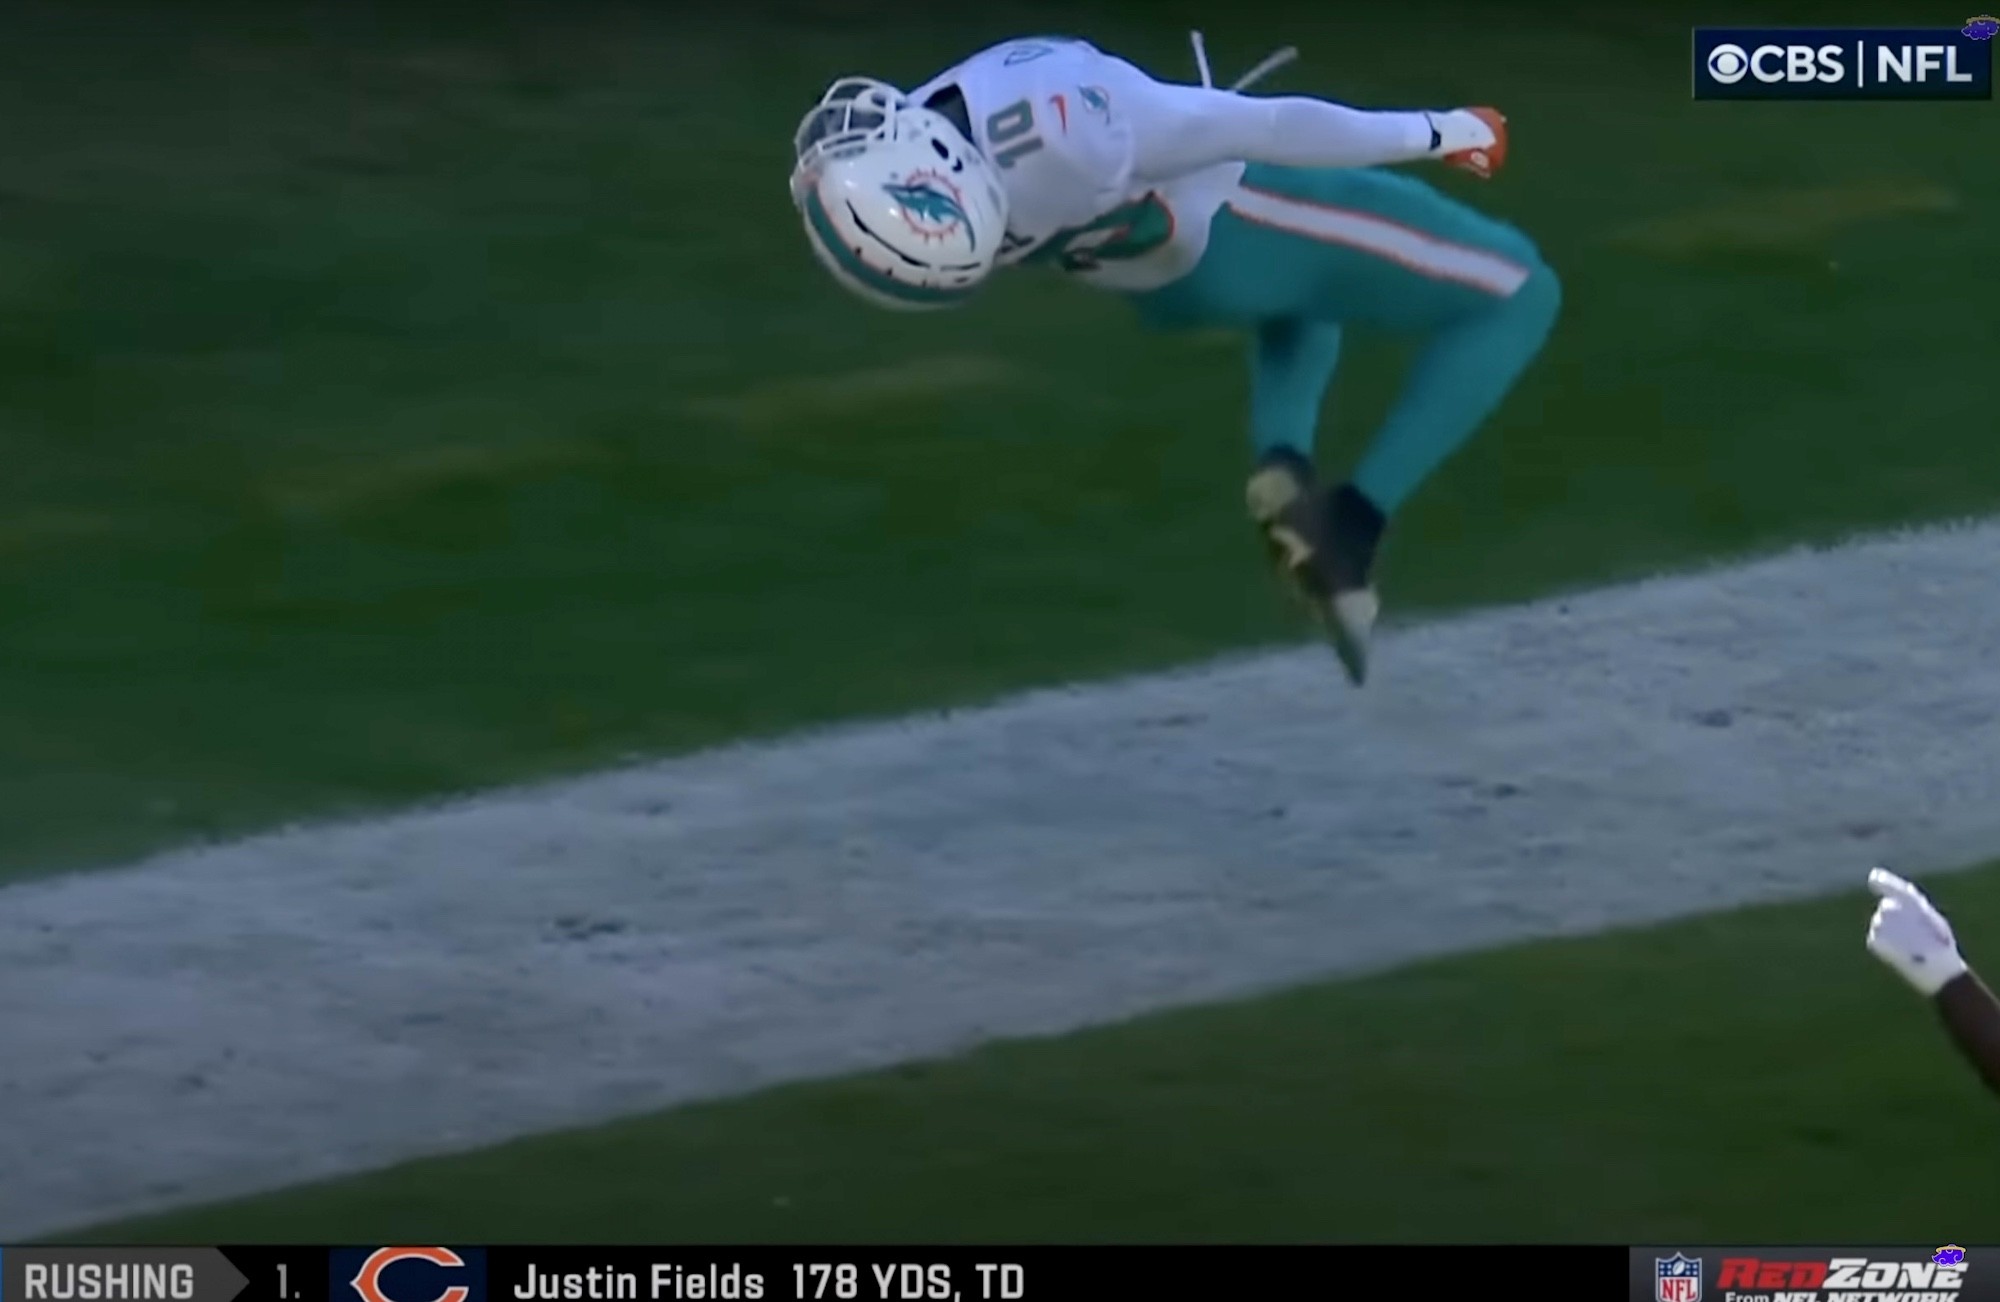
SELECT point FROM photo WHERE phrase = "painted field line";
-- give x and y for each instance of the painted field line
(223, 1020)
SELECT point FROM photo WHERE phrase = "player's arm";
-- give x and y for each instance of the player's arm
(1179, 129)
(1913, 938)
(1972, 1016)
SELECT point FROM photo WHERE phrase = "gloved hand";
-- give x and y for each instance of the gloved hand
(1911, 936)
(1472, 139)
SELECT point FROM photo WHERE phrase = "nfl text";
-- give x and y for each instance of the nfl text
(1854, 63)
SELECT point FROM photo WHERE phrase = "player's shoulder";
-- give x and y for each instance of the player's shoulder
(1020, 60)
(1020, 51)
(1068, 85)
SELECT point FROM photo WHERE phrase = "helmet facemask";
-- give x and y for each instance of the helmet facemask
(854, 112)
(899, 206)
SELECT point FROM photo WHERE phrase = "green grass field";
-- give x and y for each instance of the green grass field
(402, 402)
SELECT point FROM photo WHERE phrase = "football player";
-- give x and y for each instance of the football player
(1913, 938)
(1206, 207)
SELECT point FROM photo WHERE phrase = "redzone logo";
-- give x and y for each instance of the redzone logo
(1751, 1272)
(1843, 1279)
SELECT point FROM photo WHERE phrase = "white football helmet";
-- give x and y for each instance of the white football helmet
(897, 203)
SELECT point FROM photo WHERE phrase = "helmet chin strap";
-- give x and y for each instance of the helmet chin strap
(1265, 67)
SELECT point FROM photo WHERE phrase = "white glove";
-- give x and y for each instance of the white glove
(1461, 129)
(1471, 139)
(1911, 936)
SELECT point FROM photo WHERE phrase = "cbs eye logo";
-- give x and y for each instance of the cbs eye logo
(1728, 64)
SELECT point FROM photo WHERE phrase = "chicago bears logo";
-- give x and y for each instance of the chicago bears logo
(409, 1275)
(932, 206)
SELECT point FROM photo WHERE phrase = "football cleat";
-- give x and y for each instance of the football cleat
(1324, 544)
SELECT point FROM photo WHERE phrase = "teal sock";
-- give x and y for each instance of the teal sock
(1458, 380)
(1291, 365)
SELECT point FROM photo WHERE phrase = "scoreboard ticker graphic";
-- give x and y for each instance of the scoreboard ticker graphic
(1662, 1273)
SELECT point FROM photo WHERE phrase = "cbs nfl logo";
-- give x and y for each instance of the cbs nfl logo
(1677, 1278)
(1843, 63)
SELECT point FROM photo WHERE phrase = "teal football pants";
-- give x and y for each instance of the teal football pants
(1297, 255)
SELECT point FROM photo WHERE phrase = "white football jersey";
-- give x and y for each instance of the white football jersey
(1060, 120)
(1116, 177)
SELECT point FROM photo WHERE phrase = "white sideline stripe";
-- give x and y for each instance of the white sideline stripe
(1424, 254)
(228, 1019)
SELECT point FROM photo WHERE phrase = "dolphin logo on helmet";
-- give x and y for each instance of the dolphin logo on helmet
(933, 211)
(899, 206)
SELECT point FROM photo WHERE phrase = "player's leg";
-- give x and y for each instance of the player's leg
(1361, 247)
(1291, 366)
(1295, 255)
(1395, 253)
(1461, 375)
(1458, 379)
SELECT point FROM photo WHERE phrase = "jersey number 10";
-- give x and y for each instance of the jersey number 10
(1128, 232)
(1011, 133)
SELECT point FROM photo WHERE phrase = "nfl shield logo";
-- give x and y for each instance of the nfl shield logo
(1679, 1278)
